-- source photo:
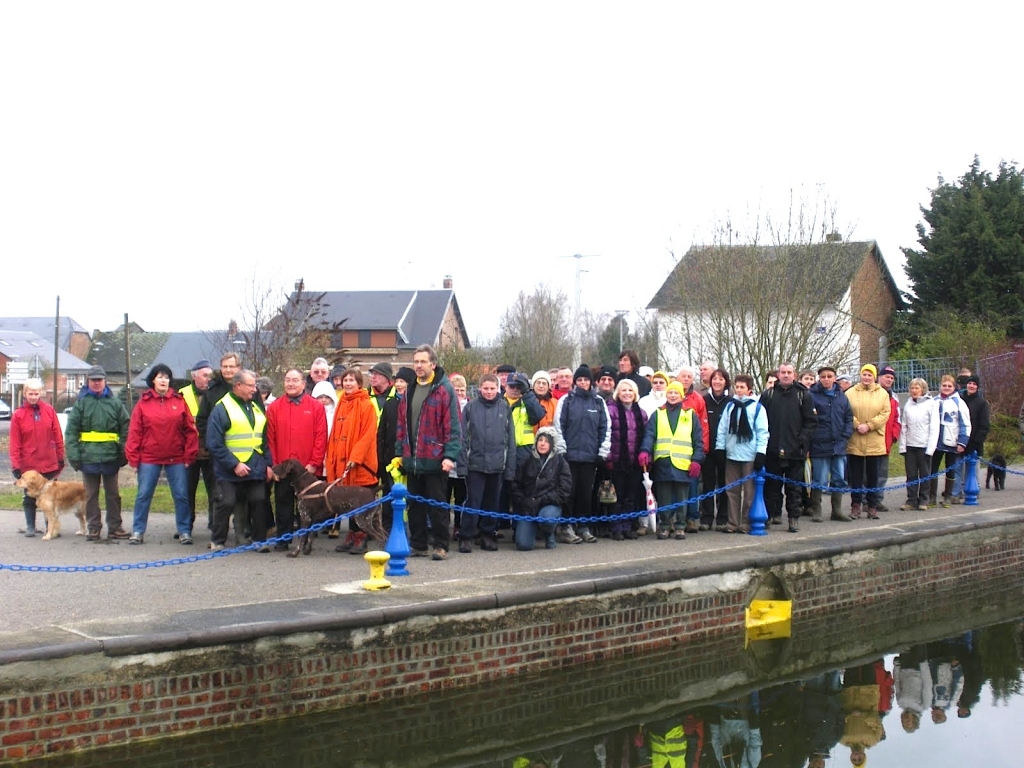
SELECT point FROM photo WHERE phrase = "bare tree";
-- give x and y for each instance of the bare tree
(536, 331)
(750, 301)
(280, 330)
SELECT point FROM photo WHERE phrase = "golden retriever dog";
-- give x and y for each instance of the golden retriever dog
(54, 498)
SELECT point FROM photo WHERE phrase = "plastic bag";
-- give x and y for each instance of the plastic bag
(652, 504)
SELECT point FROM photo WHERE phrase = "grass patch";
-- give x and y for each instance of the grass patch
(162, 501)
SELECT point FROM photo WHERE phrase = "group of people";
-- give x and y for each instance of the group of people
(584, 444)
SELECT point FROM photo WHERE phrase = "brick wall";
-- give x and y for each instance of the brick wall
(546, 662)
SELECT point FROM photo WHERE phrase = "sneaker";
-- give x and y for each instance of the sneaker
(92, 536)
(216, 547)
(906, 507)
(873, 513)
(587, 536)
(680, 536)
(120, 533)
(662, 534)
(794, 525)
(921, 507)
(881, 508)
(281, 546)
(419, 553)
(135, 538)
(465, 547)
(440, 553)
(263, 548)
(777, 520)
(954, 500)
(945, 503)
(855, 511)
(692, 526)
(489, 544)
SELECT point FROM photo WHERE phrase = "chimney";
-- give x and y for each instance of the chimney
(232, 329)
(447, 282)
(300, 285)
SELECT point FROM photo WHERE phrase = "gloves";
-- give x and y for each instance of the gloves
(519, 380)
(644, 459)
(16, 473)
(720, 456)
(759, 462)
(694, 470)
(396, 463)
(76, 465)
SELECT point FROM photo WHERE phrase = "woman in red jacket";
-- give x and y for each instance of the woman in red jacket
(162, 436)
(352, 447)
(36, 443)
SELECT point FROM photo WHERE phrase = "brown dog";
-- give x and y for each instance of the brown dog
(317, 501)
(54, 498)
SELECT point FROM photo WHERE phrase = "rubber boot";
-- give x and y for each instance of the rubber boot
(947, 493)
(837, 509)
(933, 492)
(815, 506)
(30, 524)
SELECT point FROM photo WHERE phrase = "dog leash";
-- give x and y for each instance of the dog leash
(305, 496)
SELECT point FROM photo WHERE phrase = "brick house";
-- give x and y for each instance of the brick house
(843, 295)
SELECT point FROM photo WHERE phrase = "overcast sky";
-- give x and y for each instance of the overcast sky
(158, 158)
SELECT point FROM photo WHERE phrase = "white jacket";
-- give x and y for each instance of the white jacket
(920, 425)
(954, 420)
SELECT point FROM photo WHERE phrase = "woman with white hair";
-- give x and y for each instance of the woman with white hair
(628, 422)
(541, 384)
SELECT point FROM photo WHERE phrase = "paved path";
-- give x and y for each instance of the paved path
(245, 588)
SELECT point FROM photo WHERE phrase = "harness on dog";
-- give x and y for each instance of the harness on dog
(306, 495)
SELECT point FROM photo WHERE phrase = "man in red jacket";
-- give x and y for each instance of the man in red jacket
(886, 379)
(36, 443)
(296, 429)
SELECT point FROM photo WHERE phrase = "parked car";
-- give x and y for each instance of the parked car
(5, 410)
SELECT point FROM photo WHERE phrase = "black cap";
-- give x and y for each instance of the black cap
(505, 368)
(406, 374)
(384, 369)
(583, 372)
(97, 372)
(605, 370)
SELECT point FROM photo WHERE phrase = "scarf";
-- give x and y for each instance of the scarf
(739, 424)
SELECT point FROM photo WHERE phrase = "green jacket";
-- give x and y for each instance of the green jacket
(95, 417)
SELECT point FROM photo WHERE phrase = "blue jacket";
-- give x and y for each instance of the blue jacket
(835, 422)
(738, 450)
(224, 462)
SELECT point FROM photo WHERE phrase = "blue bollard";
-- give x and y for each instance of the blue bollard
(758, 511)
(398, 544)
(971, 487)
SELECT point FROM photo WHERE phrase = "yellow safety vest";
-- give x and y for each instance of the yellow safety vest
(669, 751)
(677, 446)
(242, 438)
(377, 409)
(521, 423)
(189, 393)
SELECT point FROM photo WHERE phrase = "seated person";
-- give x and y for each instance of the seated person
(542, 487)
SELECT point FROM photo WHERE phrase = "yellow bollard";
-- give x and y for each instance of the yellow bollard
(377, 560)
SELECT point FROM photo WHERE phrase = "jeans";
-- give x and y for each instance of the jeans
(526, 530)
(829, 471)
(177, 479)
(668, 492)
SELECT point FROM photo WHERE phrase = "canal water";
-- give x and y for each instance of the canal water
(952, 700)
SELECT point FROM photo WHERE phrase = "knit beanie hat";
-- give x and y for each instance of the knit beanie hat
(540, 375)
(678, 387)
(869, 367)
(583, 372)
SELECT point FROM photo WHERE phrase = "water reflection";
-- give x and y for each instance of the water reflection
(953, 702)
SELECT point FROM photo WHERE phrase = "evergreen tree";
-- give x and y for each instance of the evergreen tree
(972, 251)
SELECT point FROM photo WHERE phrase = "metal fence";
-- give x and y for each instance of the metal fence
(931, 369)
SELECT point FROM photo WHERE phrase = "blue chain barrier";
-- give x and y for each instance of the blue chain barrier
(285, 537)
(863, 491)
(1005, 469)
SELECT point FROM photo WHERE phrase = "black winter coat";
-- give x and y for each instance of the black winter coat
(981, 424)
(540, 482)
(791, 421)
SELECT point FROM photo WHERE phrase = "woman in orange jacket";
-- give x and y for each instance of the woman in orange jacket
(352, 448)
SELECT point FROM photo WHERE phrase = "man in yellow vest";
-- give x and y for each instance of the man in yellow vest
(236, 436)
(202, 371)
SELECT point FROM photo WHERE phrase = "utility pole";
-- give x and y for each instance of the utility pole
(578, 349)
(621, 315)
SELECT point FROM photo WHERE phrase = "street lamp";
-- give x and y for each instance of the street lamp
(621, 315)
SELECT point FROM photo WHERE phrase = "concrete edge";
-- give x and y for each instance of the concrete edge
(659, 574)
